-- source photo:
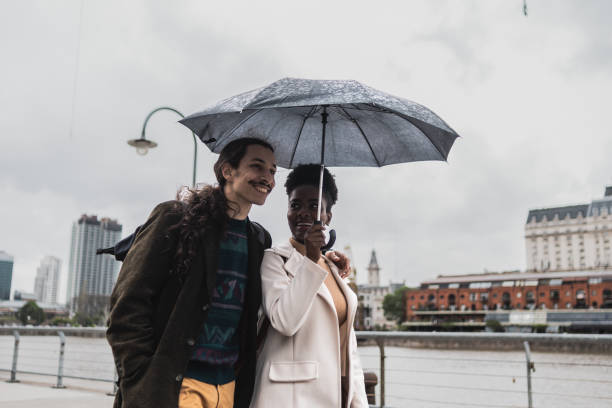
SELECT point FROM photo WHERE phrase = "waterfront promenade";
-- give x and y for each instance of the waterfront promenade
(423, 369)
(37, 391)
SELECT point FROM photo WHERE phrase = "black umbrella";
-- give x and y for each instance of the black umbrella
(334, 123)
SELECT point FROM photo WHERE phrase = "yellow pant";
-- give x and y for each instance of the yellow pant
(197, 394)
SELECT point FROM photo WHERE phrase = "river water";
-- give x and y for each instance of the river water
(415, 377)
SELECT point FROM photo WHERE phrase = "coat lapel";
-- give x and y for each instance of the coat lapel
(255, 247)
(349, 295)
(326, 295)
(293, 262)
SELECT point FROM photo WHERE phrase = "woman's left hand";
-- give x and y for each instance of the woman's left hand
(341, 261)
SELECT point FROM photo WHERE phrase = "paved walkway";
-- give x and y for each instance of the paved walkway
(37, 391)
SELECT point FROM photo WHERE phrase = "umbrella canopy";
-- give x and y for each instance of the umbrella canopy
(365, 127)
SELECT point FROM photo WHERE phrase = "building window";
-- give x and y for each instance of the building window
(580, 299)
(506, 301)
(594, 293)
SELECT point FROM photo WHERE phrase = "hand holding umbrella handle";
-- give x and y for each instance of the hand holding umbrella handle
(331, 242)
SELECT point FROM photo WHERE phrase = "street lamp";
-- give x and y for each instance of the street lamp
(143, 144)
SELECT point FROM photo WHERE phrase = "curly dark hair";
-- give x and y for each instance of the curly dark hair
(208, 207)
(309, 174)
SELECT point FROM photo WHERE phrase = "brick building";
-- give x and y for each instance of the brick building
(466, 298)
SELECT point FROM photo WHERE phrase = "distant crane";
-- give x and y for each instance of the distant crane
(349, 254)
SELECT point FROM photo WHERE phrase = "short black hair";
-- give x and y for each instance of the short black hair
(308, 175)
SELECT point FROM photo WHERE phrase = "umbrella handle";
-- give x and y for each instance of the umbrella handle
(332, 239)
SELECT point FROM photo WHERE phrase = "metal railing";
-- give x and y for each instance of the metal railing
(447, 341)
(42, 358)
(396, 369)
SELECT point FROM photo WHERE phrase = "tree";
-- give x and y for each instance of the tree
(31, 313)
(91, 310)
(494, 326)
(394, 305)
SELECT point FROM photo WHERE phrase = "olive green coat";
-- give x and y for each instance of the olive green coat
(155, 316)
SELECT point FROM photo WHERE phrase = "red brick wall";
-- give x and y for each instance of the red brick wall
(419, 298)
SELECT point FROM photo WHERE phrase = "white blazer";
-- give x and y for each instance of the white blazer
(300, 365)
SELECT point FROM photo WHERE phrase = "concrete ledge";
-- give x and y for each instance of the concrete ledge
(575, 343)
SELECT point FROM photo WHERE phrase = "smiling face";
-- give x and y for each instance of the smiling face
(253, 179)
(302, 211)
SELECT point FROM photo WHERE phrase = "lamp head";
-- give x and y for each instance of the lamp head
(142, 145)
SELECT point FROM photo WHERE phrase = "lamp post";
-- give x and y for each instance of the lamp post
(143, 144)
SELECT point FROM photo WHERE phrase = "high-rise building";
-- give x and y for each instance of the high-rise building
(571, 237)
(90, 276)
(6, 275)
(47, 278)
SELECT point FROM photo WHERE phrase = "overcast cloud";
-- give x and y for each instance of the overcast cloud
(528, 95)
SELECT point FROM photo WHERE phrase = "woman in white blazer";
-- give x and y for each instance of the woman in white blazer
(309, 356)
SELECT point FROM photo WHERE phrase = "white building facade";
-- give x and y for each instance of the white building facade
(47, 280)
(90, 274)
(371, 297)
(571, 237)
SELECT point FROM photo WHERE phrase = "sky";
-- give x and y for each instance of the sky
(527, 94)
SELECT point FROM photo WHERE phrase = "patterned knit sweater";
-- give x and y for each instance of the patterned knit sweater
(217, 347)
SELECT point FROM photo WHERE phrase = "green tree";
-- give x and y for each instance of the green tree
(31, 313)
(394, 306)
(495, 326)
(60, 321)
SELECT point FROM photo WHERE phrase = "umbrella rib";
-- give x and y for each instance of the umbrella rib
(229, 134)
(363, 134)
(406, 118)
(297, 140)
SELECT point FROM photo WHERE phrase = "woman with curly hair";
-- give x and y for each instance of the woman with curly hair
(309, 356)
